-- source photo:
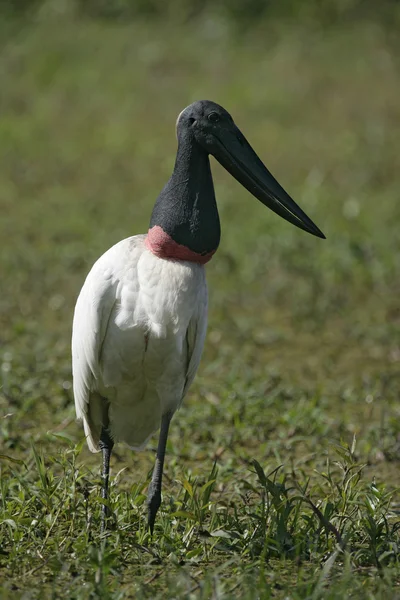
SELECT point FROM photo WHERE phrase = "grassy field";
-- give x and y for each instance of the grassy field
(283, 465)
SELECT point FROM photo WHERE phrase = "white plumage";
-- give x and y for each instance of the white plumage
(138, 334)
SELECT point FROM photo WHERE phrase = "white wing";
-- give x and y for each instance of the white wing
(195, 337)
(92, 313)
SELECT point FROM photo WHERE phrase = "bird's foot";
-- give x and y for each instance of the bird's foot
(153, 504)
(106, 519)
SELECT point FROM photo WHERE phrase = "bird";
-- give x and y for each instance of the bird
(140, 319)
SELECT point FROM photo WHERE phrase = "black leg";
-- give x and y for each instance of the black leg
(154, 492)
(106, 445)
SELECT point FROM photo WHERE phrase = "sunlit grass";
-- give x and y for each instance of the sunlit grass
(266, 493)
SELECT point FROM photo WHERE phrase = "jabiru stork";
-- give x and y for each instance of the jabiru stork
(140, 319)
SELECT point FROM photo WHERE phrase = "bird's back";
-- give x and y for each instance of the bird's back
(138, 333)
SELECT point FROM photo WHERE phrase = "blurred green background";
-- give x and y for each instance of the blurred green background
(303, 346)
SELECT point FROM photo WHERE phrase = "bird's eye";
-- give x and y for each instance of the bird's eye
(213, 117)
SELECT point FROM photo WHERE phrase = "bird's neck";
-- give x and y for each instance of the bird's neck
(185, 224)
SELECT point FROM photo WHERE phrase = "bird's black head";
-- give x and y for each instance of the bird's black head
(203, 120)
(213, 129)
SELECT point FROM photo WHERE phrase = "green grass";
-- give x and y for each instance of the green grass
(283, 464)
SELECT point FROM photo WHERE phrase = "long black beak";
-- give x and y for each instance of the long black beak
(233, 151)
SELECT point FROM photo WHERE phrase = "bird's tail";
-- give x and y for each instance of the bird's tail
(91, 438)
